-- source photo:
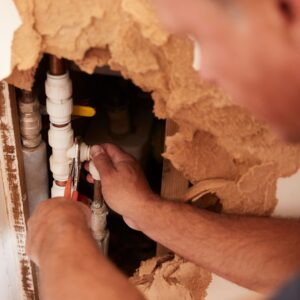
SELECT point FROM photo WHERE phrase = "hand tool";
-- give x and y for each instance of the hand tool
(71, 189)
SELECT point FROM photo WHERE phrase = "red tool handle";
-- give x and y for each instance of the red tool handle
(68, 188)
(75, 196)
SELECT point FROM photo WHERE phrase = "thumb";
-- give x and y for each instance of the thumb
(102, 161)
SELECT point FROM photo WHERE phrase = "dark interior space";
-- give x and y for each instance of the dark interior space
(124, 116)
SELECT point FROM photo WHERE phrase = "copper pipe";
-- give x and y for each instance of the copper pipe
(56, 66)
(27, 97)
(61, 183)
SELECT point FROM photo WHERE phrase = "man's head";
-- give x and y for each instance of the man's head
(251, 49)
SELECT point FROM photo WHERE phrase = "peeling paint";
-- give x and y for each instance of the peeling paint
(13, 191)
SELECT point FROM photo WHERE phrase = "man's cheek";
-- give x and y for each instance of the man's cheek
(166, 14)
(175, 15)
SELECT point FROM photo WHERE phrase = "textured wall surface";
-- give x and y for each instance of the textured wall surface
(216, 138)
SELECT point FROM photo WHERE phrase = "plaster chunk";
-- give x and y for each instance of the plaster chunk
(171, 279)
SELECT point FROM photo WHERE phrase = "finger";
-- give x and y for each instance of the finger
(86, 211)
(89, 178)
(131, 224)
(87, 166)
(41, 211)
(116, 154)
(102, 161)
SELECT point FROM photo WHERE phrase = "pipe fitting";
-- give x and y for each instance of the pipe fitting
(61, 139)
(84, 152)
(59, 113)
(30, 123)
(60, 169)
(98, 225)
(59, 98)
(58, 87)
(56, 190)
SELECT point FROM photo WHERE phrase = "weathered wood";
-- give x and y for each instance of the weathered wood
(19, 280)
(174, 185)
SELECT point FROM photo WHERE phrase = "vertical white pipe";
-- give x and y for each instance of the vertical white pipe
(61, 136)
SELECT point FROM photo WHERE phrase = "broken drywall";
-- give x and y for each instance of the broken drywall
(171, 278)
(216, 139)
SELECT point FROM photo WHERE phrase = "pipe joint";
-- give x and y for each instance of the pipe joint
(61, 137)
(98, 221)
(56, 190)
(59, 98)
(84, 152)
(58, 87)
(30, 123)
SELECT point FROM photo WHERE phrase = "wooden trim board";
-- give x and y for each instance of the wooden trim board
(17, 273)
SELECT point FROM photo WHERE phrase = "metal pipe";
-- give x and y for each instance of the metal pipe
(30, 120)
(34, 150)
(56, 66)
(99, 212)
(98, 198)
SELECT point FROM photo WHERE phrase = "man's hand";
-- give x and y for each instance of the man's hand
(124, 186)
(53, 222)
(71, 265)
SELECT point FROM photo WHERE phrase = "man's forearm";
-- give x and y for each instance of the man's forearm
(255, 252)
(74, 268)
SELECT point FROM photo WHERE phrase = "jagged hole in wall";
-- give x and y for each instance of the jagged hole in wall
(124, 117)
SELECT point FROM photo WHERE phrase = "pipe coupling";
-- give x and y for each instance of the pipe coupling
(30, 124)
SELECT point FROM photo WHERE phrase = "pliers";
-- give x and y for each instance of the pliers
(71, 189)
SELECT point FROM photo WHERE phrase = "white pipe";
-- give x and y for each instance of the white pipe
(61, 135)
(56, 190)
(61, 139)
(59, 98)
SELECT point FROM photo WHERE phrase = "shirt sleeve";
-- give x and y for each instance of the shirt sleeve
(291, 291)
